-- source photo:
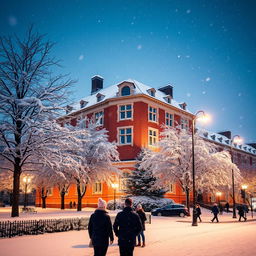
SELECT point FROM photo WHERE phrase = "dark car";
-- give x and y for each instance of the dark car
(171, 210)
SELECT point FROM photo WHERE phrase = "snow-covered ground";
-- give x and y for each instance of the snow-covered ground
(164, 237)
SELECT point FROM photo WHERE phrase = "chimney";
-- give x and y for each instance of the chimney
(97, 83)
(168, 90)
(226, 134)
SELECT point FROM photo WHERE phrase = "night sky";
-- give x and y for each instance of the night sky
(205, 49)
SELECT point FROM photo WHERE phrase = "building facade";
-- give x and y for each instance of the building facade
(133, 115)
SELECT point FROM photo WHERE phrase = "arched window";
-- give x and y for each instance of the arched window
(126, 91)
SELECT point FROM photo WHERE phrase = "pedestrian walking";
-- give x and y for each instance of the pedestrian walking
(143, 218)
(227, 207)
(100, 229)
(74, 204)
(198, 212)
(127, 226)
(70, 205)
(221, 209)
(215, 212)
(241, 212)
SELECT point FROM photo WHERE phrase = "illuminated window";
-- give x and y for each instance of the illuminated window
(152, 137)
(152, 114)
(125, 135)
(125, 112)
(168, 119)
(97, 188)
(172, 188)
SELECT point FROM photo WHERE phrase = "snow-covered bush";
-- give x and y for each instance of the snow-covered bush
(148, 203)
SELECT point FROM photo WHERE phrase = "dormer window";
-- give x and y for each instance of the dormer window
(100, 97)
(126, 90)
(168, 99)
(183, 105)
(69, 109)
(151, 92)
(83, 103)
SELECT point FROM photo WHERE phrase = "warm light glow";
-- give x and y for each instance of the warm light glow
(237, 140)
(204, 118)
(244, 186)
(114, 185)
(218, 193)
(26, 179)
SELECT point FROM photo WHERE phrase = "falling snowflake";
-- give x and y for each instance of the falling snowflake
(203, 92)
(139, 47)
(188, 94)
(241, 117)
(207, 79)
(239, 94)
(178, 56)
(188, 11)
(187, 56)
(81, 57)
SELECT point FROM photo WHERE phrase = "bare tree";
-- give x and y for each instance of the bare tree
(30, 99)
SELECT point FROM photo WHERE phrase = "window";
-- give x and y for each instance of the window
(99, 117)
(125, 135)
(171, 188)
(125, 112)
(184, 123)
(168, 119)
(152, 136)
(125, 91)
(97, 188)
(49, 191)
(152, 114)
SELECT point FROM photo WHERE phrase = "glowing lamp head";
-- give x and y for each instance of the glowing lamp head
(204, 118)
(244, 186)
(114, 185)
(237, 140)
(218, 193)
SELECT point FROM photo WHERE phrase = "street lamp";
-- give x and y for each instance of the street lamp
(202, 118)
(114, 186)
(26, 181)
(237, 140)
(244, 187)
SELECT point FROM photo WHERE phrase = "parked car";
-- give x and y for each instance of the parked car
(171, 210)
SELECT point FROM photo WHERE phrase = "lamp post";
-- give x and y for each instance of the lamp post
(244, 187)
(218, 194)
(235, 139)
(26, 181)
(203, 118)
(114, 186)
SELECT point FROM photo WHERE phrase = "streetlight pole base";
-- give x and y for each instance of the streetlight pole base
(194, 218)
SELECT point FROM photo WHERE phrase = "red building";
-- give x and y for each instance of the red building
(132, 113)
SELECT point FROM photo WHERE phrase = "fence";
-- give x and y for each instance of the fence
(36, 227)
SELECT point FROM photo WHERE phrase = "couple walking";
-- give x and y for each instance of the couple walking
(127, 226)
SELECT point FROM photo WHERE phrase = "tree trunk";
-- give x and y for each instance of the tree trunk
(62, 194)
(187, 200)
(44, 202)
(16, 190)
(79, 197)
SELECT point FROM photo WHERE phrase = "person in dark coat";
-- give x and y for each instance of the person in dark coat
(227, 207)
(143, 218)
(100, 229)
(241, 212)
(127, 226)
(215, 212)
(198, 212)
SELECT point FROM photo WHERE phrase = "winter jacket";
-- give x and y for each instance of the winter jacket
(143, 218)
(215, 209)
(127, 226)
(100, 228)
(198, 211)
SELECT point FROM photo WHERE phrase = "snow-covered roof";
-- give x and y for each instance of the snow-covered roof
(221, 139)
(112, 92)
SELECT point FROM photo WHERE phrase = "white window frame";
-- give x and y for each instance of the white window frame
(169, 118)
(125, 134)
(172, 188)
(184, 122)
(102, 118)
(153, 114)
(50, 191)
(119, 112)
(154, 138)
(97, 188)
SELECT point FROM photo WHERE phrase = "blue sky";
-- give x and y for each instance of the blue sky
(205, 49)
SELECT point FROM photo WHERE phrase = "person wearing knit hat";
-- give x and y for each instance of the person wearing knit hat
(143, 219)
(100, 229)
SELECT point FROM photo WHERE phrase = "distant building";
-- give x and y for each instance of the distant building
(133, 114)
